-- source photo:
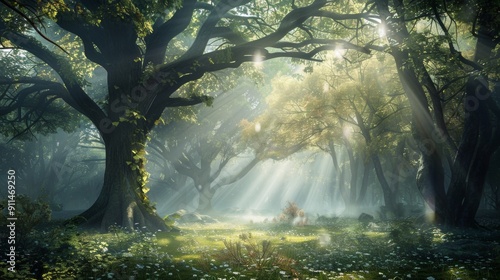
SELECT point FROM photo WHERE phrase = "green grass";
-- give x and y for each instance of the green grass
(342, 250)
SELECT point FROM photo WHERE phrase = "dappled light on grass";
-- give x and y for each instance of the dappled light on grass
(343, 249)
(430, 215)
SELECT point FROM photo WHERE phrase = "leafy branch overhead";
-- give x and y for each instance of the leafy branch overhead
(146, 41)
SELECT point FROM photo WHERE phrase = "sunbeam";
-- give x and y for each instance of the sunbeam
(266, 190)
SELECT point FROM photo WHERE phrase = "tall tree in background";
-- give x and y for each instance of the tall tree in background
(427, 87)
(357, 107)
(207, 150)
(139, 45)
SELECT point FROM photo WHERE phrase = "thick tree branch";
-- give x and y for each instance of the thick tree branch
(77, 97)
(37, 110)
(232, 179)
(89, 35)
(453, 51)
(221, 166)
(291, 21)
(38, 85)
(180, 102)
(342, 44)
(194, 64)
(207, 30)
(228, 34)
(339, 17)
(185, 166)
(157, 42)
(211, 62)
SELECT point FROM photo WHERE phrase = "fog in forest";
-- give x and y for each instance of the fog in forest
(247, 139)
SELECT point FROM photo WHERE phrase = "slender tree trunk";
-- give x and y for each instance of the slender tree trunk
(389, 194)
(364, 183)
(353, 164)
(342, 186)
(338, 175)
(51, 178)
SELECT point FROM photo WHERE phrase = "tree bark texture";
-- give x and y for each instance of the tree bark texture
(122, 201)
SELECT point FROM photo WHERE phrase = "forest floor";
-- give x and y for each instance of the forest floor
(338, 248)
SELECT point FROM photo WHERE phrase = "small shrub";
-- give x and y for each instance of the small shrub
(290, 212)
(29, 213)
(365, 218)
(404, 234)
(234, 252)
(245, 236)
(46, 254)
(250, 253)
(262, 255)
(293, 214)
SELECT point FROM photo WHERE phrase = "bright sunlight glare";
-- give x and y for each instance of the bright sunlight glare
(258, 59)
(257, 127)
(347, 131)
(381, 31)
(339, 53)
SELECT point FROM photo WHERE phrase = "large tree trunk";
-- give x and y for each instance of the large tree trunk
(205, 199)
(122, 200)
(430, 182)
(471, 166)
(430, 176)
(477, 144)
(474, 194)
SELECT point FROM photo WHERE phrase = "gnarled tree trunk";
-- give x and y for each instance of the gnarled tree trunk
(206, 194)
(122, 200)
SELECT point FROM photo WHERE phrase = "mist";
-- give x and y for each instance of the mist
(249, 139)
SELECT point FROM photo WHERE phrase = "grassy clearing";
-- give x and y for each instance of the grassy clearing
(344, 249)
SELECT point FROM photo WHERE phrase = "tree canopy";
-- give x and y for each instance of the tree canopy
(149, 50)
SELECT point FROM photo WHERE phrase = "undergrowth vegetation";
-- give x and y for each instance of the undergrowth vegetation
(340, 249)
